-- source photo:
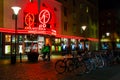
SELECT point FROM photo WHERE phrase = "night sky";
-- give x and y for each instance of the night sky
(109, 4)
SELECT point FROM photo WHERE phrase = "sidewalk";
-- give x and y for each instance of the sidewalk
(28, 71)
(116, 77)
(43, 70)
(24, 59)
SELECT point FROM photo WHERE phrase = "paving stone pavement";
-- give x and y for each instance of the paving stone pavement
(28, 71)
(45, 71)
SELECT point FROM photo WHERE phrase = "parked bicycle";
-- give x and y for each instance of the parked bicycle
(81, 63)
(70, 64)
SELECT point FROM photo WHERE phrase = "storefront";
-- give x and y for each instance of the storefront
(35, 42)
(109, 44)
(25, 43)
(38, 23)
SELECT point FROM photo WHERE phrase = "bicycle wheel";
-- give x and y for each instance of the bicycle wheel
(60, 66)
(70, 64)
(83, 67)
(89, 66)
(100, 63)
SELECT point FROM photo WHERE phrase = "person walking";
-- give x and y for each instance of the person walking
(44, 52)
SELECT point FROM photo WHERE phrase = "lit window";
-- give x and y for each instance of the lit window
(7, 49)
(7, 38)
(87, 9)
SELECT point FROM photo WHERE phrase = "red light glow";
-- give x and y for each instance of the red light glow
(44, 16)
(52, 32)
(42, 21)
(31, 8)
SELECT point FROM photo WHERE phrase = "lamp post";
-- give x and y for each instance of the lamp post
(15, 10)
(84, 28)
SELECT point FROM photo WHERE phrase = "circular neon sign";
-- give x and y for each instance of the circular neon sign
(44, 17)
(29, 19)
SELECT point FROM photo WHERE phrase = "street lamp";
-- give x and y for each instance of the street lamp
(15, 10)
(84, 28)
(107, 34)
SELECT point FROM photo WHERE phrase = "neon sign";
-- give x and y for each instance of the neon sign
(44, 17)
(29, 20)
(42, 22)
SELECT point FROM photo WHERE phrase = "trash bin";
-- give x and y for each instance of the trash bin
(13, 59)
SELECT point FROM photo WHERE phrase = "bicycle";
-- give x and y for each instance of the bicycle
(76, 64)
(60, 66)
(70, 64)
(98, 60)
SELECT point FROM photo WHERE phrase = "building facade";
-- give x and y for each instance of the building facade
(109, 29)
(78, 13)
(54, 22)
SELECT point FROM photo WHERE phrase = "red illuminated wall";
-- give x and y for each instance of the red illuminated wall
(43, 20)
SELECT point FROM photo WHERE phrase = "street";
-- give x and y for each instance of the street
(44, 70)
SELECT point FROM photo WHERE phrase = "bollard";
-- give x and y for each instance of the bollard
(13, 59)
(20, 57)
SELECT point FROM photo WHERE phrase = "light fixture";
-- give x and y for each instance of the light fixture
(107, 34)
(83, 28)
(15, 9)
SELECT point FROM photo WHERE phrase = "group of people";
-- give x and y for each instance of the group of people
(46, 52)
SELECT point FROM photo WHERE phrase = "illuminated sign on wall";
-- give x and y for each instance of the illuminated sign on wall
(44, 18)
(43, 21)
(29, 20)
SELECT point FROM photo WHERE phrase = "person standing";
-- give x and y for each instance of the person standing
(44, 52)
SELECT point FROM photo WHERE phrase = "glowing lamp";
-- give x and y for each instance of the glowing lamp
(15, 9)
(83, 27)
(107, 34)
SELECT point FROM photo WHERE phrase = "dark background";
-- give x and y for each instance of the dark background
(109, 4)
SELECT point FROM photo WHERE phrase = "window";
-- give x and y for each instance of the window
(74, 3)
(87, 9)
(13, 39)
(7, 38)
(74, 15)
(7, 49)
(74, 28)
(65, 11)
(65, 0)
(81, 6)
(109, 21)
(65, 26)
(55, 9)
